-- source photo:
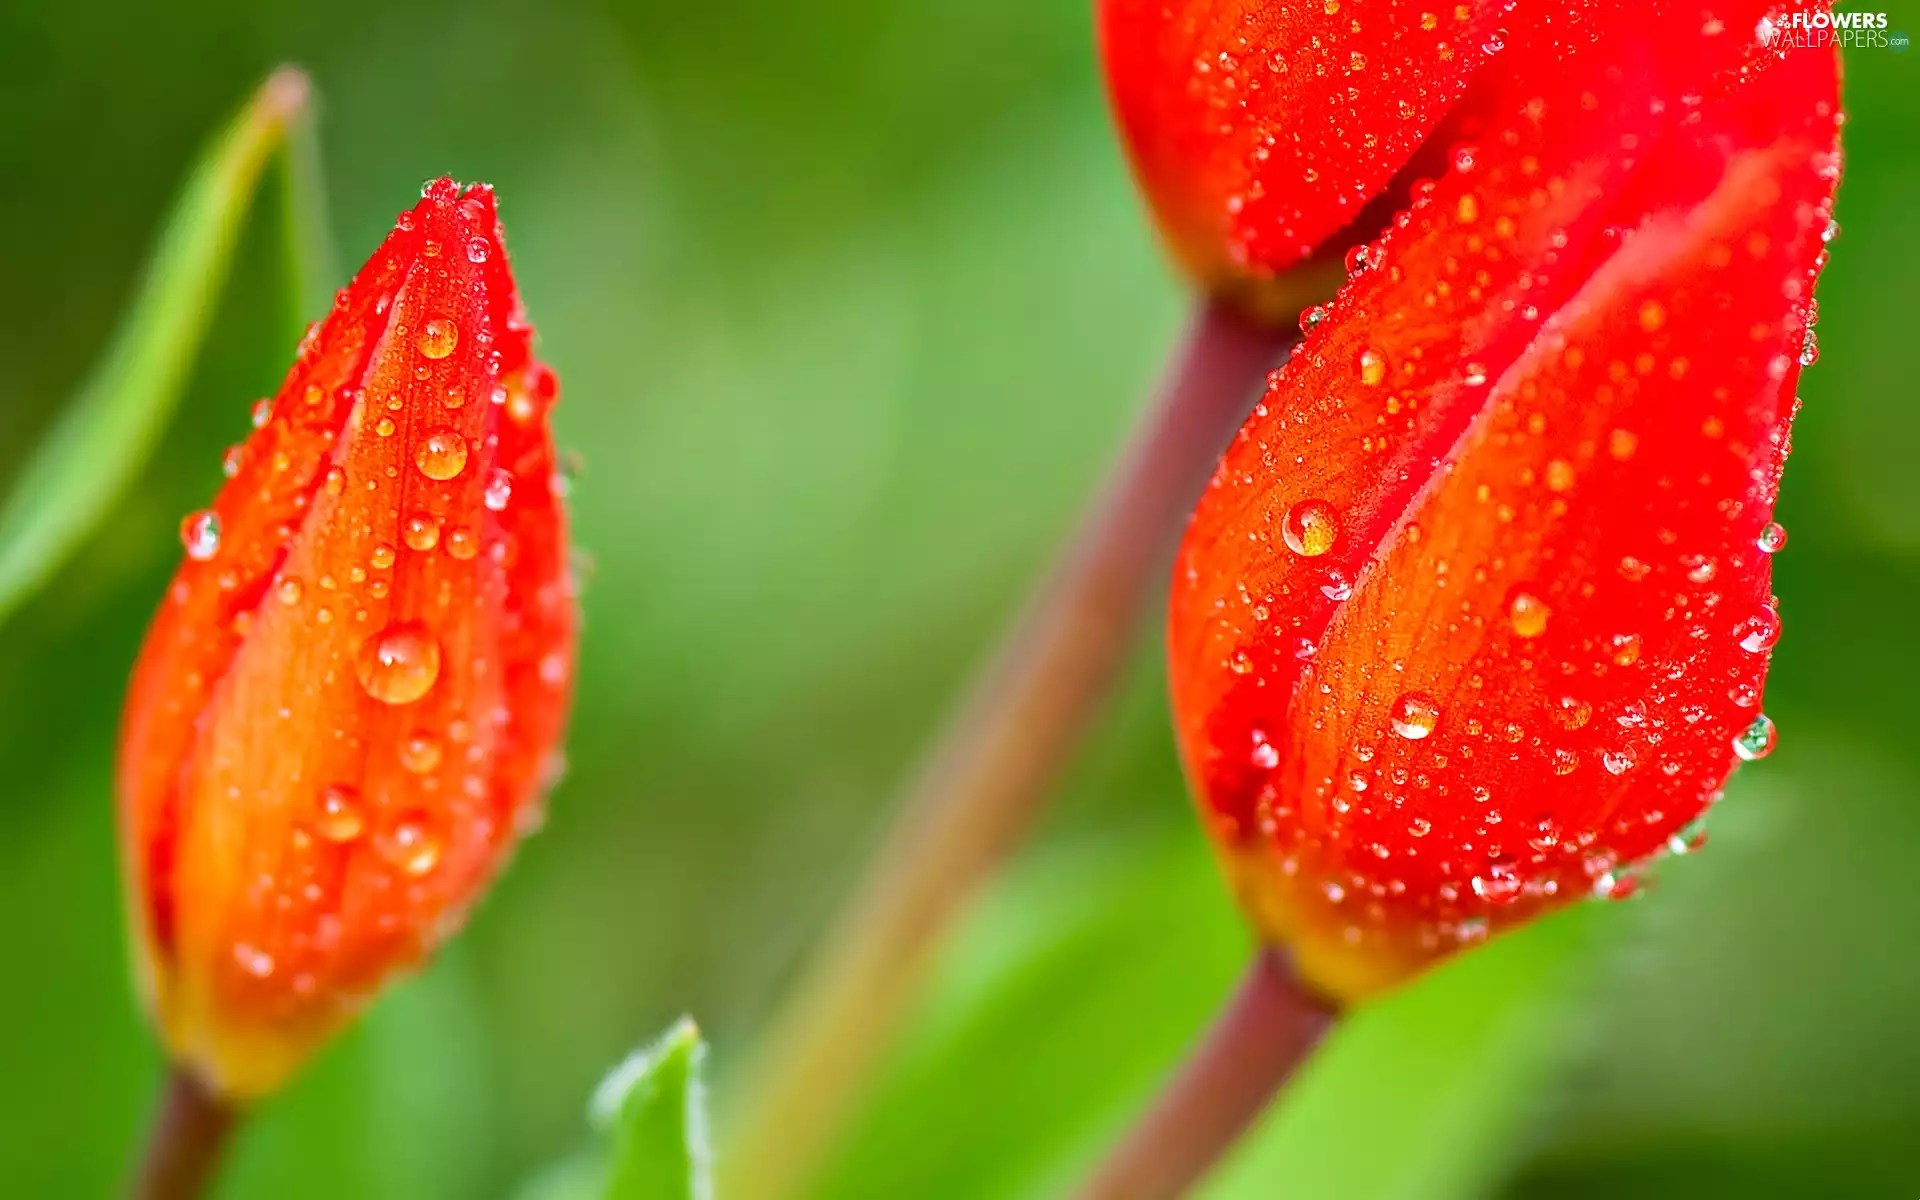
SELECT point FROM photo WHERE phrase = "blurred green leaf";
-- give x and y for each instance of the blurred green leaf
(654, 1109)
(108, 429)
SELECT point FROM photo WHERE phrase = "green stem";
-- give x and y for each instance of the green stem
(993, 766)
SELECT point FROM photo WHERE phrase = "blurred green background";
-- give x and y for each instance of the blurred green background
(851, 300)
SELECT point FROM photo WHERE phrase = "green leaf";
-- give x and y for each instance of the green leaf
(654, 1109)
(110, 426)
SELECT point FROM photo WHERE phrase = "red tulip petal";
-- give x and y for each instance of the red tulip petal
(344, 711)
(1626, 246)
(1259, 129)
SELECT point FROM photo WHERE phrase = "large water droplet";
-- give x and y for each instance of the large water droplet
(421, 532)
(438, 337)
(399, 664)
(200, 534)
(1310, 528)
(441, 455)
(1760, 632)
(1756, 741)
(1415, 715)
(1773, 538)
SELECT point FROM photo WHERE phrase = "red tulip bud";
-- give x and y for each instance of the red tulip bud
(1260, 129)
(1476, 613)
(349, 704)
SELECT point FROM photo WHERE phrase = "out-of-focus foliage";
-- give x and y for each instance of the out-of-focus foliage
(850, 300)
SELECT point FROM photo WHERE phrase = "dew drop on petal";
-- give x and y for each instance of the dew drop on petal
(1310, 528)
(1773, 538)
(441, 455)
(1760, 632)
(438, 337)
(462, 543)
(1373, 367)
(1757, 740)
(399, 664)
(1618, 762)
(477, 250)
(383, 557)
(1528, 614)
(410, 844)
(420, 532)
(420, 753)
(200, 534)
(499, 490)
(1414, 715)
(340, 816)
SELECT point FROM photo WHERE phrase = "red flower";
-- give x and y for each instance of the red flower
(1259, 129)
(346, 709)
(1475, 614)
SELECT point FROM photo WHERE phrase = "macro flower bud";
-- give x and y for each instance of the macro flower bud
(349, 704)
(1260, 129)
(1475, 615)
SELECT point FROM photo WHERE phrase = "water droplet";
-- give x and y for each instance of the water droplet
(1570, 712)
(1265, 756)
(1760, 632)
(262, 412)
(1773, 538)
(1310, 318)
(1528, 614)
(289, 590)
(1420, 827)
(420, 753)
(462, 543)
(499, 490)
(1373, 367)
(1757, 740)
(438, 337)
(231, 461)
(1499, 885)
(340, 817)
(1560, 475)
(477, 250)
(1414, 715)
(1310, 528)
(1626, 649)
(383, 557)
(335, 481)
(442, 454)
(420, 532)
(1618, 762)
(410, 844)
(399, 664)
(386, 427)
(200, 534)
(255, 962)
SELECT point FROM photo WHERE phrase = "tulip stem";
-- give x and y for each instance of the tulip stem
(1267, 1029)
(183, 1150)
(992, 766)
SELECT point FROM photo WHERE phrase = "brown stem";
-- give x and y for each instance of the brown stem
(1267, 1029)
(183, 1149)
(993, 765)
